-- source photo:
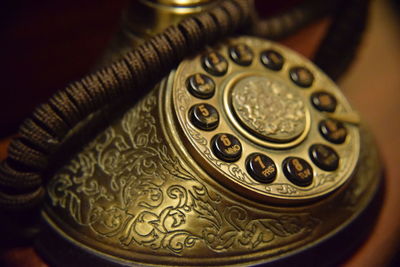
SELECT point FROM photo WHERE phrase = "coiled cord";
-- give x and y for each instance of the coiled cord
(44, 131)
(285, 24)
(41, 135)
(338, 48)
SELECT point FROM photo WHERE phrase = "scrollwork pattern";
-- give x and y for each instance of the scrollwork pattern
(128, 188)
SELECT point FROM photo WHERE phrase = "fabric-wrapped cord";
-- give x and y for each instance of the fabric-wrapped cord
(41, 134)
(338, 48)
(282, 25)
(344, 33)
(21, 181)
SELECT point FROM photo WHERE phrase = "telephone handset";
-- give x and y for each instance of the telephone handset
(245, 154)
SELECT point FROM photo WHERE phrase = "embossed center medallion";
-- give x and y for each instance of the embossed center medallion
(270, 109)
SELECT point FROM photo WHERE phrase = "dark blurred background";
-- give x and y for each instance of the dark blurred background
(45, 44)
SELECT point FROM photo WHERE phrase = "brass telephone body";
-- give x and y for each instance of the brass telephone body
(245, 154)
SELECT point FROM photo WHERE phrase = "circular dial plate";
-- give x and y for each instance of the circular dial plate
(270, 114)
(268, 108)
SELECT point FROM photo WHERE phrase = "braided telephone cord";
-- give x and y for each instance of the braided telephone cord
(338, 48)
(40, 135)
(294, 19)
(43, 132)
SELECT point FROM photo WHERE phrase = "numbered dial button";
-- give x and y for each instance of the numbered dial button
(261, 168)
(324, 157)
(333, 131)
(301, 76)
(204, 116)
(241, 54)
(215, 64)
(324, 101)
(226, 147)
(298, 171)
(272, 60)
(201, 86)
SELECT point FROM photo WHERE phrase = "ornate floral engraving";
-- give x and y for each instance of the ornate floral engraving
(127, 189)
(320, 179)
(269, 108)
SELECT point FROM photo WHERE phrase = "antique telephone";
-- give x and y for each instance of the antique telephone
(245, 154)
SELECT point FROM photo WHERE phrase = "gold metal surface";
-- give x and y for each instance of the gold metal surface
(269, 108)
(234, 174)
(182, 3)
(143, 19)
(350, 117)
(141, 192)
(146, 18)
(231, 116)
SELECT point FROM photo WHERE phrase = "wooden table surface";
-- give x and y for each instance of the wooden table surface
(372, 86)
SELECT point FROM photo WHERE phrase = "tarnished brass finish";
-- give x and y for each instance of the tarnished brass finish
(149, 17)
(143, 19)
(147, 190)
(299, 110)
(269, 109)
